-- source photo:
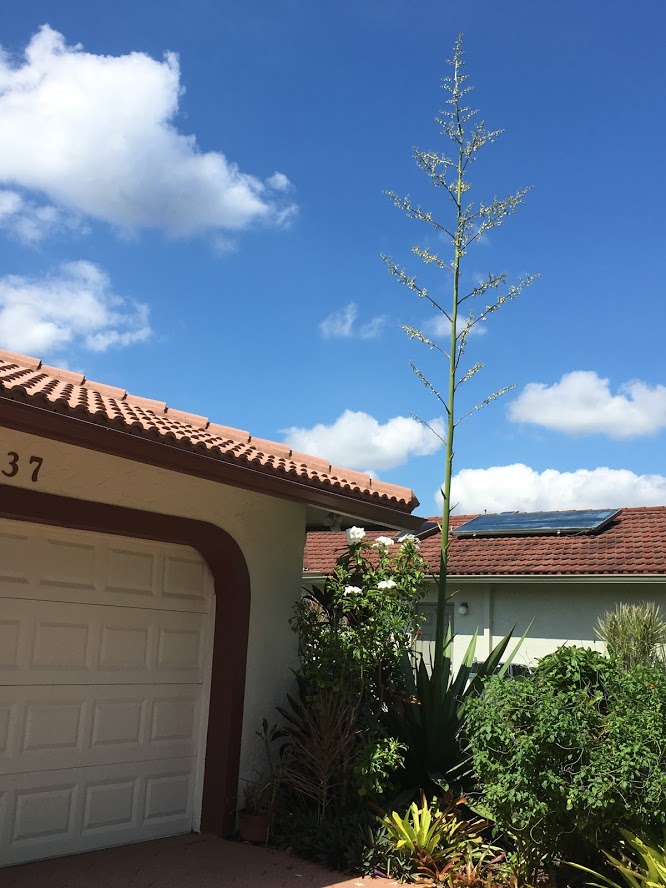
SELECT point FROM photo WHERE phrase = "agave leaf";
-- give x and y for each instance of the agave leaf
(407, 673)
(488, 666)
(424, 687)
(460, 681)
(509, 660)
(446, 655)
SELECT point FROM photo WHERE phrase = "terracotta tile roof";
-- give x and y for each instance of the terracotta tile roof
(633, 543)
(29, 381)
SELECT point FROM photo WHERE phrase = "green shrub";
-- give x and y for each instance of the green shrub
(634, 634)
(571, 754)
(339, 755)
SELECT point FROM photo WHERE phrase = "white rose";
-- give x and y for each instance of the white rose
(387, 584)
(352, 590)
(410, 538)
(383, 541)
(354, 535)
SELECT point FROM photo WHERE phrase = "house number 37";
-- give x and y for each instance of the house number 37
(15, 465)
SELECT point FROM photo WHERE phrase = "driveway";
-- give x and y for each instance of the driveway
(192, 861)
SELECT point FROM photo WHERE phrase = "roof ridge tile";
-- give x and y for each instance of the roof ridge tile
(67, 376)
(273, 447)
(151, 404)
(222, 431)
(108, 391)
(192, 419)
(313, 462)
(16, 358)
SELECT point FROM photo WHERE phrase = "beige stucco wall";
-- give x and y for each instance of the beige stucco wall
(561, 612)
(270, 532)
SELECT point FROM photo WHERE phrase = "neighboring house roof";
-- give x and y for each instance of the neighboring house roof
(634, 543)
(27, 381)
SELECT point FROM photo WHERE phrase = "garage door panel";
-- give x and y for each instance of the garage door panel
(65, 565)
(90, 725)
(10, 634)
(62, 643)
(82, 808)
(15, 558)
(105, 644)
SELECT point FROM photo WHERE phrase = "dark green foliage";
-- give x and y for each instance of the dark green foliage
(567, 756)
(354, 631)
(339, 754)
(381, 858)
(341, 843)
(428, 718)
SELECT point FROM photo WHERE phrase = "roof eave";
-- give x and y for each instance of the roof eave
(79, 432)
(559, 578)
(488, 579)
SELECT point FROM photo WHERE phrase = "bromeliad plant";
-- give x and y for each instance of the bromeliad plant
(641, 864)
(437, 841)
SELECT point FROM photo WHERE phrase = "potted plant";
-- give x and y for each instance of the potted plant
(254, 819)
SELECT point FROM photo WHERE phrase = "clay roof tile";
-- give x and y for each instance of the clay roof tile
(633, 543)
(26, 380)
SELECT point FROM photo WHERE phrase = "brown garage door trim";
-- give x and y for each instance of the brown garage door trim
(232, 616)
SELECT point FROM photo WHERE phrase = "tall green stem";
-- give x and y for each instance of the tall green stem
(440, 629)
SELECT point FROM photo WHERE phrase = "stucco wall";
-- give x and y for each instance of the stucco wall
(270, 533)
(562, 612)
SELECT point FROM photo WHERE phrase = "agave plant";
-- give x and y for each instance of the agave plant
(428, 719)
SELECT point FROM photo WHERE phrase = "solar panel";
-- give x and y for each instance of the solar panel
(515, 523)
(425, 530)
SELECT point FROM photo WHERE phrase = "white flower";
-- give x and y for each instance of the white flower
(354, 535)
(387, 584)
(383, 541)
(352, 590)
(410, 538)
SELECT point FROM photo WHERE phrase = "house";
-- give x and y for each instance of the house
(556, 582)
(149, 562)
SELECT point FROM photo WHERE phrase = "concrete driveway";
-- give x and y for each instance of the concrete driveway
(192, 861)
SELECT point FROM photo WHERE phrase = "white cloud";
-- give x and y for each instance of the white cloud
(339, 324)
(30, 222)
(374, 328)
(97, 135)
(520, 488)
(441, 326)
(581, 403)
(342, 324)
(73, 306)
(357, 440)
(279, 182)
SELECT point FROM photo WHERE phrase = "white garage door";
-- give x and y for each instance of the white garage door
(105, 646)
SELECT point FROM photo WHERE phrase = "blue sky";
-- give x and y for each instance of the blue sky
(192, 208)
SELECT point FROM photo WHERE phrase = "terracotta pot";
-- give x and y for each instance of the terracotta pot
(253, 827)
